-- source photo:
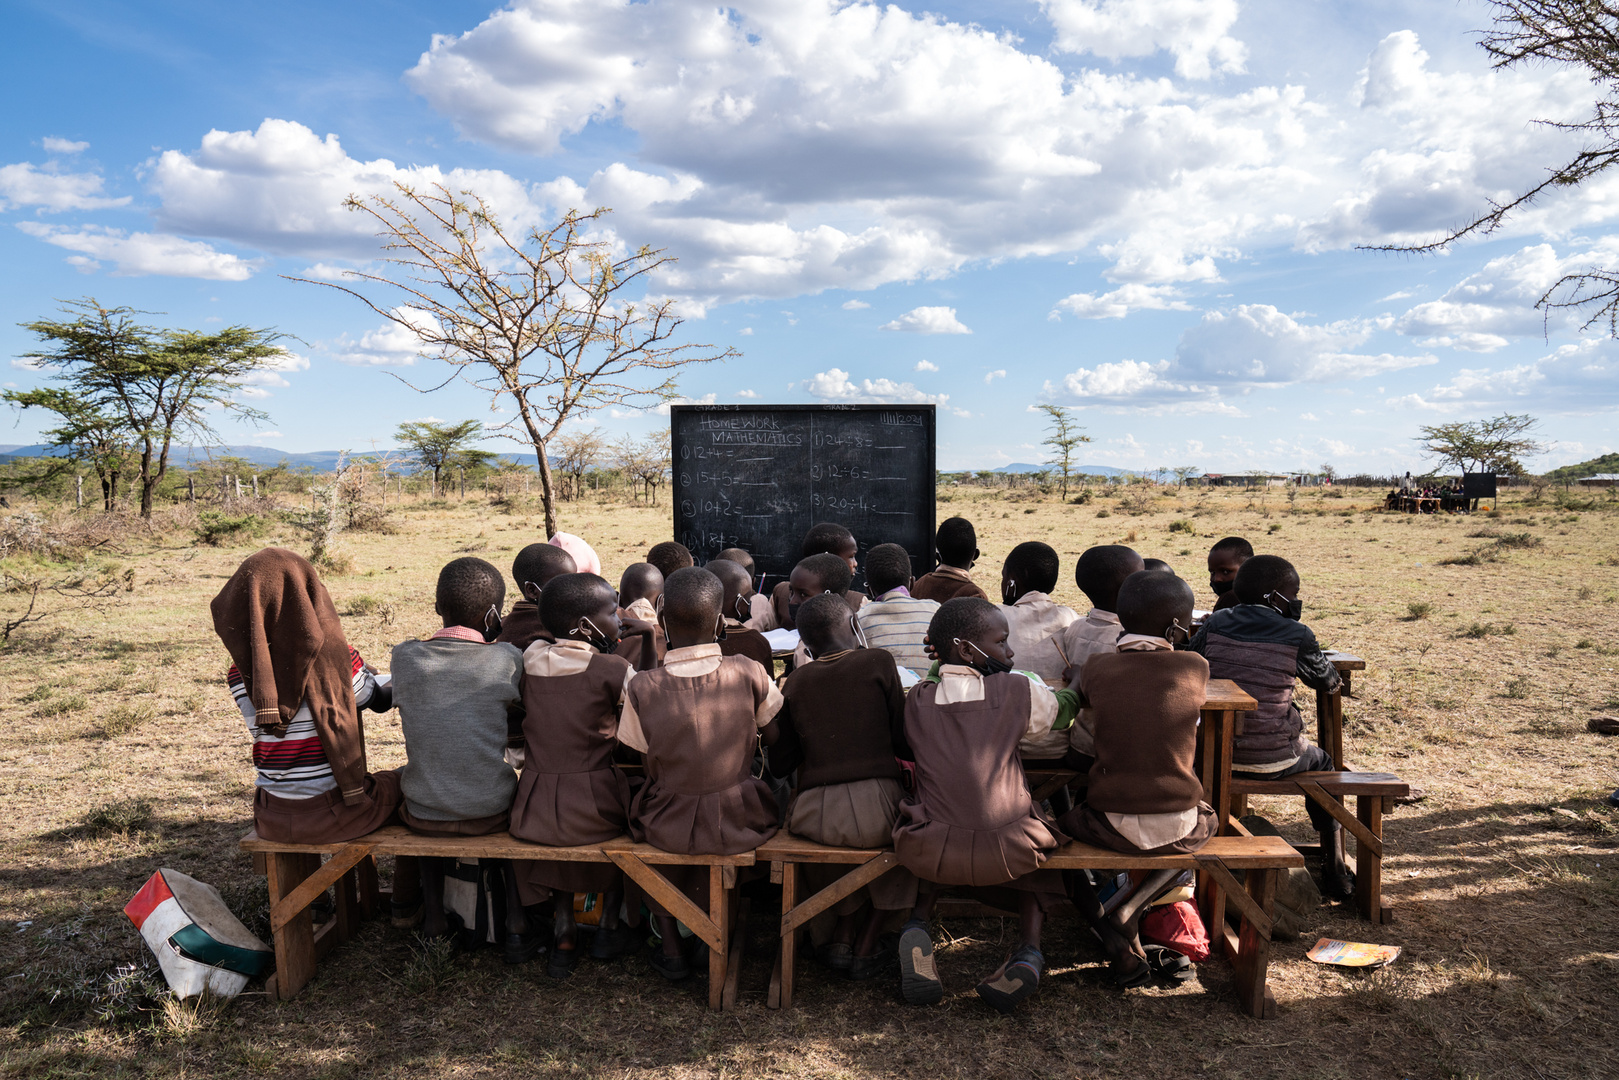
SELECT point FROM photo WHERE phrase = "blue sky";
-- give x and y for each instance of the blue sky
(1146, 209)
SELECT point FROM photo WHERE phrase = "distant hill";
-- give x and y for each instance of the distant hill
(1607, 463)
(265, 456)
(1080, 470)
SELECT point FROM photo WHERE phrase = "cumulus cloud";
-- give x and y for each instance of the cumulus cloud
(855, 305)
(1123, 300)
(389, 345)
(928, 320)
(1193, 31)
(138, 254)
(925, 365)
(56, 145)
(991, 376)
(836, 384)
(1578, 377)
(1257, 345)
(272, 373)
(25, 184)
(747, 394)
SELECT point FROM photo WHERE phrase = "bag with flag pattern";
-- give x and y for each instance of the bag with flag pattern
(198, 943)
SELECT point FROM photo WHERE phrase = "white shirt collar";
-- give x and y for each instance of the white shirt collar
(1098, 615)
(1143, 643)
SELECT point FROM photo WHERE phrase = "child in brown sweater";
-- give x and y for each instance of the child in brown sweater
(569, 793)
(842, 729)
(957, 547)
(696, 719)
(1144, 794)
(534, 566)
(739, 640)
(971, 820)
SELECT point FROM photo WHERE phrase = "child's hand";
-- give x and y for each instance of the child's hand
(628, 627)
(1070, 675)
(927, 647)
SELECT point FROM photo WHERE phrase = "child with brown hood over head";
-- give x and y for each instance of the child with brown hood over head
(697, 720)
(570, 794)
(841, 730)
(300, 688)
(1144, 795)
(970, 820)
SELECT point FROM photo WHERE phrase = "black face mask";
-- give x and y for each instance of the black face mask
(1221, 587)
(598, 640)
(1291, 609)
(988, 665)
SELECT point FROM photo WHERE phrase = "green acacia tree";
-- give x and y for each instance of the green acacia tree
(86, 435)
(1496, 445)
(153, 385)
(439, 446)
(1065, 438)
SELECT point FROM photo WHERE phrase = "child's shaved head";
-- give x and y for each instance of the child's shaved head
(964, 617)
(735, 581)
(691, 596)
(1157, 564)
(1152, 601)
(1264, 574)
(1100, 572)
(1033, 566)
(738, 556)
(640, 581)
(819, 620)
(669, 557)
(571, 597)
(957, 543)
(832, 572)
(828, 538)
(537, 564)
(888, 566)
(467, 589)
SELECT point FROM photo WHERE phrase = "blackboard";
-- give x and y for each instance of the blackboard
(758, 476)
(1478, 485)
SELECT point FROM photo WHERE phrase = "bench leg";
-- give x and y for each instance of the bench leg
(783, 996)
(370, 892)
(733, 960)
(718, 910)
(1369, 863)
(295, 941)
(1253, 949)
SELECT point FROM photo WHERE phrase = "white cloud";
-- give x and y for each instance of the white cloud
(1401, 294)
(837, 385)
(138, 254)
(925, 365)
(267, 435)
(1193, 31)
(991, 376)
(855, 305)
(1257, 345)
(273, 373)
(746, 331)
(928, 320)
(389, 345)
(747, 394)
(1581, 377)
(1123, 300)
(662, 409)
(55, 145)
(24, 184)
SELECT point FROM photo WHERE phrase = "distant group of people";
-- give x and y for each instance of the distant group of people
(1418, 498)
(520, 719)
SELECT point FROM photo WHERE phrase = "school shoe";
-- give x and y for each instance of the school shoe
(610, 944)
(561, 963)
(405, 916)
(521, 948)
(918, 978)
(862, 968)
(836, 955)
(1014, 980)
(673, 968)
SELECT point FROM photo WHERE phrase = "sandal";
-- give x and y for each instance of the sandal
(1141, 976)
(918, 978)
(1168, 964)
(1014, 980)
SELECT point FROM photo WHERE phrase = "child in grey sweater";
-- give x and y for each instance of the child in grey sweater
(456, 693)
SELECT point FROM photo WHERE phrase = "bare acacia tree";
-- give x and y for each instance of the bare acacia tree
(1583, 34)
(577, 452)
(544, 321)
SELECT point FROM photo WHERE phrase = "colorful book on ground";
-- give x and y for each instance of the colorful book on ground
(1352, 954)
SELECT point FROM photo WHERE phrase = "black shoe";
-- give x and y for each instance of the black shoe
(562, 962)
(1613, 800)
(521, 948)
(610, 944)
(918, 978)
(836, 955)
(862, 968)
(1168, 964)
(405, 916)
(1339, 886)
(673, 968)
(1014, 980)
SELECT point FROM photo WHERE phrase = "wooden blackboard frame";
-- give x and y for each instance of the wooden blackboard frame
(776, 569)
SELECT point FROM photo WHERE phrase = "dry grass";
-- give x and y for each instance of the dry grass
(1506, 881)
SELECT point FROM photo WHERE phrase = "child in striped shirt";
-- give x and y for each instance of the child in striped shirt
(893, 619)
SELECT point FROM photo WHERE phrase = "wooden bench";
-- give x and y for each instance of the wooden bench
(296, 876)
(1373, 793)
(1248, 948)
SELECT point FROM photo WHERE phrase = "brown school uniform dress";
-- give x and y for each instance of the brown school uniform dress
(1144, 793)
(946, 583)
(522, 626)
(630, 647)
(696, 719)
(970, 820)
(842, 727)
(569, 794)
(740, 641)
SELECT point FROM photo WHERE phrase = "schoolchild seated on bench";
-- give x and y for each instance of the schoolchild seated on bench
(535, 565)
(1099, 573)
(1225, 559)
(638, 590)
(761, 616)
(1144, 794)
(970, 820)
(696, 719)
(841, 730)
(892, 619)
(1036, 623)
(670, 556)
(1261, 645)
(827, 538)
(738, 639)
(569, 793)
(457, 693)
(957, 547)
(814, 575)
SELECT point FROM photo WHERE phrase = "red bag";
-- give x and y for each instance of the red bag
(1177, 926)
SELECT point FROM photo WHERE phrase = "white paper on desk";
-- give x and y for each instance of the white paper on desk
(1198, 615)
(782, 641)
(908, 678)
(383, 678)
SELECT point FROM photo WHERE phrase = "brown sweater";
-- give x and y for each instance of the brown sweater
(740, 641)
(1146, 705)
(844, 720)
(522, 626)
(946, 583)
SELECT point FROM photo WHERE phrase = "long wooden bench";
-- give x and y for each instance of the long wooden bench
(1248, 948)
(296, 876)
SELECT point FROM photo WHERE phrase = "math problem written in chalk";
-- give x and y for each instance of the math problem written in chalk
(758, 476)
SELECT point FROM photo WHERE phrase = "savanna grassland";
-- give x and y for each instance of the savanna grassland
(121, 752)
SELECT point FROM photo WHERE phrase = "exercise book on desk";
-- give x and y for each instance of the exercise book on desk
(782, 641)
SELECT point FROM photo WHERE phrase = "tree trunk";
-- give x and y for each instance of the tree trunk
(78, 490)
(191, 489)
(548, 494)
(147, 481)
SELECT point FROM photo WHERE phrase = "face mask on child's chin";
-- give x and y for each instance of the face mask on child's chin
(598, 640)
(1221, 587)
(988, 665)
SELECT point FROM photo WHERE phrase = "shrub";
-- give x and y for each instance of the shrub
(216, 528)
(1418, 609)
(1104, 513)
(1517, 540)
(364, 605)
(1182, 526)
(62, 706)
(1484, 630)
(1518, 688)
(1583, 643)
(39, 693)
(1470, 559)
(122, 719)
(122, 816)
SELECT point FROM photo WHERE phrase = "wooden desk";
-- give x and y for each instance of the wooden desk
(1329, 708)
(1222, 717)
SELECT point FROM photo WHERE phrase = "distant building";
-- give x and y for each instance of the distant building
(1606, 479)
(1246, 479)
